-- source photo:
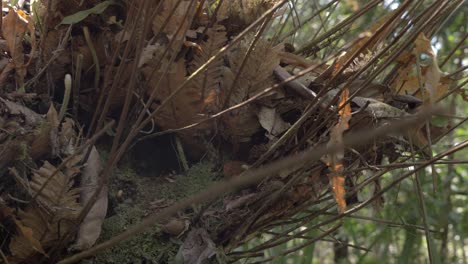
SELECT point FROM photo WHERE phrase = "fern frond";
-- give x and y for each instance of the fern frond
(208, 84)
(53, 215)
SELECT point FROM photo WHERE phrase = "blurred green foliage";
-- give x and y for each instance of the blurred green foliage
(394, 234)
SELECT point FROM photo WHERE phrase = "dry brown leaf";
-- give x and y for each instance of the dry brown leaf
(14, 27)
(58, 196)
(197, 248)
(42, 227)
(147, 54)
(175, 21)
(433, 73)
(256, 75)
(30, 117)
(434, 84)
(175, 226)
(26, 236)
(67, 137)
(423, 45)
(210, 81)
(201, 96)
(90, 228)
(52, 117)
(176, 113)
(271, 121)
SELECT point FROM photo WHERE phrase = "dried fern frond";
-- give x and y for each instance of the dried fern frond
(208, 84)
(196, 95)
(237, 15)
(54, 213)
(254, 74)
(200, 97)
(257, 72)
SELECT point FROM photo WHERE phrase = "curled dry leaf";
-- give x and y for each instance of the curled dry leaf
(147, 54)
(67, 137)
(14, 27)
(175, 226)
(90, 228)
(26, 235)
(271, 121)
(256, 75)
(377, 109)
(433, 84)
(209, 83)
(197, 248)
(30, 117)
(52, 118)
(30, 128)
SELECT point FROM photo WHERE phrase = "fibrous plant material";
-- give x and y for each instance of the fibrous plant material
(253, 74)
(214, 73)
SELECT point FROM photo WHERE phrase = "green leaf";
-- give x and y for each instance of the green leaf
(79, 16)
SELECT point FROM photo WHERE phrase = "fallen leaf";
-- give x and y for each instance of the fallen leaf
(433, 84)
(14, 28)
(31, 118)
(175, 226)
(90, 228)
(423, 45)
(26, 235)
(52, 117)
(271, 121)
(198, 247)
(147, 54)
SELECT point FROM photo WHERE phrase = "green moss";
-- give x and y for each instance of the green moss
(196, 179)
(151, 246)
(23, 151)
